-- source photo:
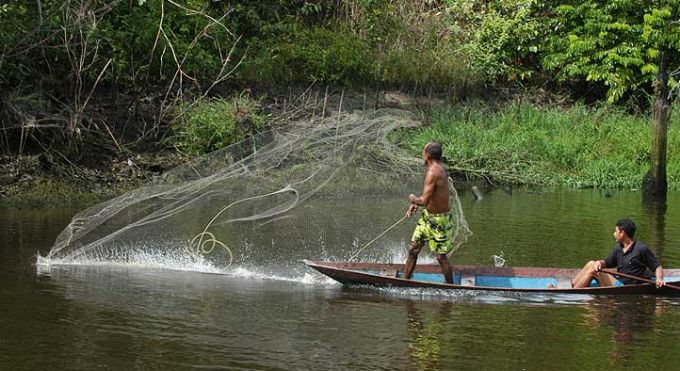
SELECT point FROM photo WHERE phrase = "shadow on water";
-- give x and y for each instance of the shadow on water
(607, 333)
(469, 297)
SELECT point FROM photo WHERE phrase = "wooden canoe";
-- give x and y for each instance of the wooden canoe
(508, 279)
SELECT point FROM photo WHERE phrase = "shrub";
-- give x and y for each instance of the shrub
(307, 55)
(212, 124)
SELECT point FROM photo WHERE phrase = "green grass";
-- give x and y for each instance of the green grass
(575, 147)
(209, 125)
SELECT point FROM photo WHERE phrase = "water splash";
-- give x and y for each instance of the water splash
(498, 260)
(156, 259)
(139, 259)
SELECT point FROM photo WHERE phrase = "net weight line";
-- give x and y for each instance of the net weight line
(380, 235)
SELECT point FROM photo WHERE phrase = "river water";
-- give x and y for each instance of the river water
(270, 312)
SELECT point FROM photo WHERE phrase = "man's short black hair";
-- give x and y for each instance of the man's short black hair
(627, 226)
(434, 150)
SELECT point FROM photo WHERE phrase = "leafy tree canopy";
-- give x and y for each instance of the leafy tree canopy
(619, 43)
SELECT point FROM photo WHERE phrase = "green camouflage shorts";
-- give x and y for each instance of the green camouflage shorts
(434, 231)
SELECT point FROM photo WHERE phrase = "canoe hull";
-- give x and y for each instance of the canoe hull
(375, 274)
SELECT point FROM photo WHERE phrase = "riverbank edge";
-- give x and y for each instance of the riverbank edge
(38, 181)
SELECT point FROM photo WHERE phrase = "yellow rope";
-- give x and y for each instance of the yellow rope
(202, 246)
(206, 246)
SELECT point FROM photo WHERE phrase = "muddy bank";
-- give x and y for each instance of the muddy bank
(49, 178)
(45, 181)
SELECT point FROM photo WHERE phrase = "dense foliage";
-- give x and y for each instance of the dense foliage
(117, 73)
(74, 68)
(619, 43)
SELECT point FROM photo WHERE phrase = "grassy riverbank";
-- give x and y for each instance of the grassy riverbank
(168, 87)
(572, 147)
(525, 144)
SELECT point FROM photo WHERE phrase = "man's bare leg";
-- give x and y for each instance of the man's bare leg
(605, 279)
(411, 260)
(446, 267)
(587, 274)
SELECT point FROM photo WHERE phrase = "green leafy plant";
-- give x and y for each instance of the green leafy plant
(310, 54)
(506, 38)
(213, 124)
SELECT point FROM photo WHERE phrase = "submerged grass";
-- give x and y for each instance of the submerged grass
(525, 144)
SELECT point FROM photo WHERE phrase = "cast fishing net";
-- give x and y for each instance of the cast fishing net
(283, 193)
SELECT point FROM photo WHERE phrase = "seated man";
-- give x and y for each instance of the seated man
(628, 256)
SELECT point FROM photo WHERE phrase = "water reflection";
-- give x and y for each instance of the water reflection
(628, 320)
(266, 314)
(426, 336)
(655, 211)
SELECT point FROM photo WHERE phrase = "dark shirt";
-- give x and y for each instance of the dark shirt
(634, 262)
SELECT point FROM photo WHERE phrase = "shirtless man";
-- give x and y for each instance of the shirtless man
(434, 228)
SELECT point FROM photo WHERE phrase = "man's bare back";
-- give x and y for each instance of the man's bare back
(439, 202)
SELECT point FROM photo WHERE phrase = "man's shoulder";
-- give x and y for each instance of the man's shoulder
(641, 245)
(438, 171)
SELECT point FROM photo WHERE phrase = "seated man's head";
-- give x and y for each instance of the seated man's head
(624, 226)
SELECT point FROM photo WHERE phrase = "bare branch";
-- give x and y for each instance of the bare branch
(94, 86)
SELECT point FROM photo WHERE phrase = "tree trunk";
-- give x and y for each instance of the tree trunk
(655, 183)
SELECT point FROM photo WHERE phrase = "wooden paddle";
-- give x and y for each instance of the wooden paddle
(615, 273)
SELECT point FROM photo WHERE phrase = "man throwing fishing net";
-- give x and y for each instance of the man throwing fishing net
(435, 226)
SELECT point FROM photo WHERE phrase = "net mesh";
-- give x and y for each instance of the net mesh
(223, 207)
